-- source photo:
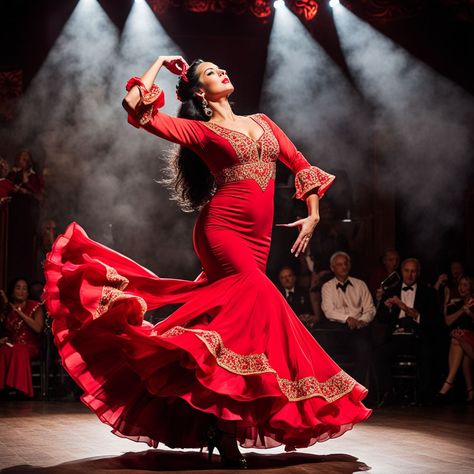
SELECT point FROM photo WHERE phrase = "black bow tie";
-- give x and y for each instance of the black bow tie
(343, 286)
(407, 288)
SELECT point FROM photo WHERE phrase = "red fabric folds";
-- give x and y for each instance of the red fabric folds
(233, 350)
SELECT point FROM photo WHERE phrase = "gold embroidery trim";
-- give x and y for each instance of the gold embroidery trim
(311, 178)
(146, 107)
(113, 292)
(257, 157)
(295, 390)
(260, 172)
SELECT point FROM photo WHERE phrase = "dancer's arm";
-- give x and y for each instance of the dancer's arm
(144, 99)
(132, 99)
(311, 183)
(308, 178)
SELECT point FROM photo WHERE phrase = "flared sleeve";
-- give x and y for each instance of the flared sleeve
(148, 116)
(307, 178)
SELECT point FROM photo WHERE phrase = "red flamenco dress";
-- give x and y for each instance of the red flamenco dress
(22, 347)
(234, 349)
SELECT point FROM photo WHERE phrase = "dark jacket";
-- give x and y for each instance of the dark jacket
(300, 303)
(425, 304)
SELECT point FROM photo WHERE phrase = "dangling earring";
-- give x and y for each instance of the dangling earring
(207, 110)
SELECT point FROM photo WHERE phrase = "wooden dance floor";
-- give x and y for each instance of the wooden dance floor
(63, 438)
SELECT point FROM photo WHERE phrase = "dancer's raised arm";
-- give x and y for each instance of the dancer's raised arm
(174, 64)
(145, 98)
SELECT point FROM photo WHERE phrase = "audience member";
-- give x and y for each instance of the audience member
(408, 309)
(24, 177)
(347, 301)
(389, 264)
(297, 297)
(23, 217)
(447, 284)
(22, 322)
(6, 186)
(460, 321)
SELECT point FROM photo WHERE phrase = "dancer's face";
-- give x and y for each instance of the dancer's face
(215, 82)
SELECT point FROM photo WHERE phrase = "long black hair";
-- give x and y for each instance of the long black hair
(187, 176)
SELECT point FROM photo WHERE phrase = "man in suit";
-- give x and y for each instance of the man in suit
(410, 316)
(297, 297)
(347, 302)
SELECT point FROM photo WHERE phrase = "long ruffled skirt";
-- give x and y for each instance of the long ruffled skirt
(234, 350)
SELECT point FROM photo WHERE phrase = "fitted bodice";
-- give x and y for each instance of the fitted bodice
(254, 159)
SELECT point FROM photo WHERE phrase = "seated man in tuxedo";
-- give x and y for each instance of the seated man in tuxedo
(408, 309)
(297, 297)
(348, 303)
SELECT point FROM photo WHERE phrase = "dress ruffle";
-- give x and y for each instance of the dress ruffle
(312, 178)
(234, 350)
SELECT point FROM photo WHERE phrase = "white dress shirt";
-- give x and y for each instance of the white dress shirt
(288, 291)
(408, 297)
(356, 302)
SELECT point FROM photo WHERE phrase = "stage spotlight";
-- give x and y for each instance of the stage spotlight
(278, 4)
(334, 3)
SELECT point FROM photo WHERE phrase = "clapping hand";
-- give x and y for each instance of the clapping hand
(469, 307)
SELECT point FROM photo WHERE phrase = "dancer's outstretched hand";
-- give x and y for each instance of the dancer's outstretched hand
(174, 64)
(306, 227)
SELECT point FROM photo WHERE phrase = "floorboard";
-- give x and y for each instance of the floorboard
(64, 437)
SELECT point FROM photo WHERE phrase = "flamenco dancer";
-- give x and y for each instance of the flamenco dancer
(233, 365)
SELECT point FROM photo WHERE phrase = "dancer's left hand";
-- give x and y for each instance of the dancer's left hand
(306, 227)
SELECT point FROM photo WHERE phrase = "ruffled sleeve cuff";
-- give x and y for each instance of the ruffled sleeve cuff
(150, 102)
(310, 179)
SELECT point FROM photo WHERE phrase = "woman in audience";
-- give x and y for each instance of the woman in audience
(23, 217)
(24, 176)
(21, 322)
(460, 320)
(447, 285)
(6, 186)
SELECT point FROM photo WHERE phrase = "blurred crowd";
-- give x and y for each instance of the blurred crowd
(392, 320)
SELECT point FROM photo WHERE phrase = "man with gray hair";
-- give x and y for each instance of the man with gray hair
(347, 301)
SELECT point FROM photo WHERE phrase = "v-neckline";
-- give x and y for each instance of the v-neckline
(254, 140)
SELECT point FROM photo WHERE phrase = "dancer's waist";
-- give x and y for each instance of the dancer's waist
(261, 172)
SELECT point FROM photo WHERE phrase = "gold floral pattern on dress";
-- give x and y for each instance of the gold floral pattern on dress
(295, 390)
(148, 105)
(113, 292)
(331, 390)
(230, 360)
(113, 277)
(257, 157)
(311, 178)
(260, 172)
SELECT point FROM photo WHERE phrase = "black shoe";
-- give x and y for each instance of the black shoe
(226, 444)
